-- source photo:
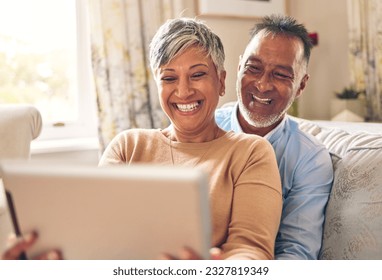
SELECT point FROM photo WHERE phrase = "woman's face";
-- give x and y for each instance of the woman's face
(189, 89)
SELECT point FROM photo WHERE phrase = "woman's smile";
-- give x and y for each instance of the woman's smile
(189, 107)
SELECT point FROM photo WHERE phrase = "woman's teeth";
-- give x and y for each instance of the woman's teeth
(187, 107)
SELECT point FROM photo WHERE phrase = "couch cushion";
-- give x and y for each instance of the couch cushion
(338, 141)
(353, 222)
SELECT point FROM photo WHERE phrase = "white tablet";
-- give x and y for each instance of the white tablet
(120, 212)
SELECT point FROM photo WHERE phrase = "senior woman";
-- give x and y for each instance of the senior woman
(187, 61)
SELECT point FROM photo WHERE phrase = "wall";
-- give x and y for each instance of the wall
(84, 156)
(329, 61)
(328, 66)
(79, 150)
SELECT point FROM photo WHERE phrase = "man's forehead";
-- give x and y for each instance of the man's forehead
(262, 38)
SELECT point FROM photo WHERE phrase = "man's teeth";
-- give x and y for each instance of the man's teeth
(187, 107)
(265, 101)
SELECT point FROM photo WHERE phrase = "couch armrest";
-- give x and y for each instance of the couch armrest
(19, 125)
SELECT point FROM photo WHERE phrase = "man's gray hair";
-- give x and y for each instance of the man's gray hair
(176, 35)
(287, 26)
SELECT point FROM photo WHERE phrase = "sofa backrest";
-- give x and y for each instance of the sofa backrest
(19, 125)
(353, 221)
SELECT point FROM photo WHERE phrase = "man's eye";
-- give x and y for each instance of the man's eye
(282, 75)
(252, 68)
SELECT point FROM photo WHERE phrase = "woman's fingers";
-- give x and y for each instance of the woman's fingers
(184, 254)
(18, 245)
(165, 256)
(51, 255)
(189, 254)
(216, 253)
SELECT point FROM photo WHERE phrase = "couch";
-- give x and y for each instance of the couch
(19, 125)
(353, 219)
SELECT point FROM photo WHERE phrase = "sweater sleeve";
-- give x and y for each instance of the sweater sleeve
(115, 152)
(256, 206)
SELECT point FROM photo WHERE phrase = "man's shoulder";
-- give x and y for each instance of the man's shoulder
(225, 110)
(300, 138)
(223, 115)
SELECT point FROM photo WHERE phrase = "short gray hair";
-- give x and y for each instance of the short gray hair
(176, 35)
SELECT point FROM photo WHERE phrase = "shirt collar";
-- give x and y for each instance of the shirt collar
(274, 133)
(235, 125)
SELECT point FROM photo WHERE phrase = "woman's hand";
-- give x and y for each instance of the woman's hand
(19, 245)
(189, 254)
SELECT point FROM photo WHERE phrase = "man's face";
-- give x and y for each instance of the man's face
(271, 74)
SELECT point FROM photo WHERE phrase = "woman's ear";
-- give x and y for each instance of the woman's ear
(222, 77)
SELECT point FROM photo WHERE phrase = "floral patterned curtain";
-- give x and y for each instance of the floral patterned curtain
(120, 32)
(365, 52)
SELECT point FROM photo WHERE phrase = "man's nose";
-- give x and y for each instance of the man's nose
(264, 83)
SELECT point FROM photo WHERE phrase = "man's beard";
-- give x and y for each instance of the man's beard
(255, 120)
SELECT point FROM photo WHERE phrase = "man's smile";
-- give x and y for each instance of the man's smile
(265, 101)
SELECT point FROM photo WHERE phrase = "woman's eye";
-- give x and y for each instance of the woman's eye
(168, 79)
(198, 74)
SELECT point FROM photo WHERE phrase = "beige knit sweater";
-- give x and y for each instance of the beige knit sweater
(245, 188)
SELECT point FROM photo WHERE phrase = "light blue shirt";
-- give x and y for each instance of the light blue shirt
(306, 175)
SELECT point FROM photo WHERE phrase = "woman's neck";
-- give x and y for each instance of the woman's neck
(205, 136)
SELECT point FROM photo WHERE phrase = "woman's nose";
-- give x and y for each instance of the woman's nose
(184, 89)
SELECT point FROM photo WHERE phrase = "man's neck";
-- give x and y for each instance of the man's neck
(250, 129)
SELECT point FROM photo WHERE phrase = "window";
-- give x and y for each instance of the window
(45, 61)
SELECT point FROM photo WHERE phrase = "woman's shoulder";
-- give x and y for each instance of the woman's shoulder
(137, 134)
(245, 138)
(247, 142)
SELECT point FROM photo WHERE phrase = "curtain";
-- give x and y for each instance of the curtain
(365, 53)
(120, 33)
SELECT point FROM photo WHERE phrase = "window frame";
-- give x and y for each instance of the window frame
(86, 124)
